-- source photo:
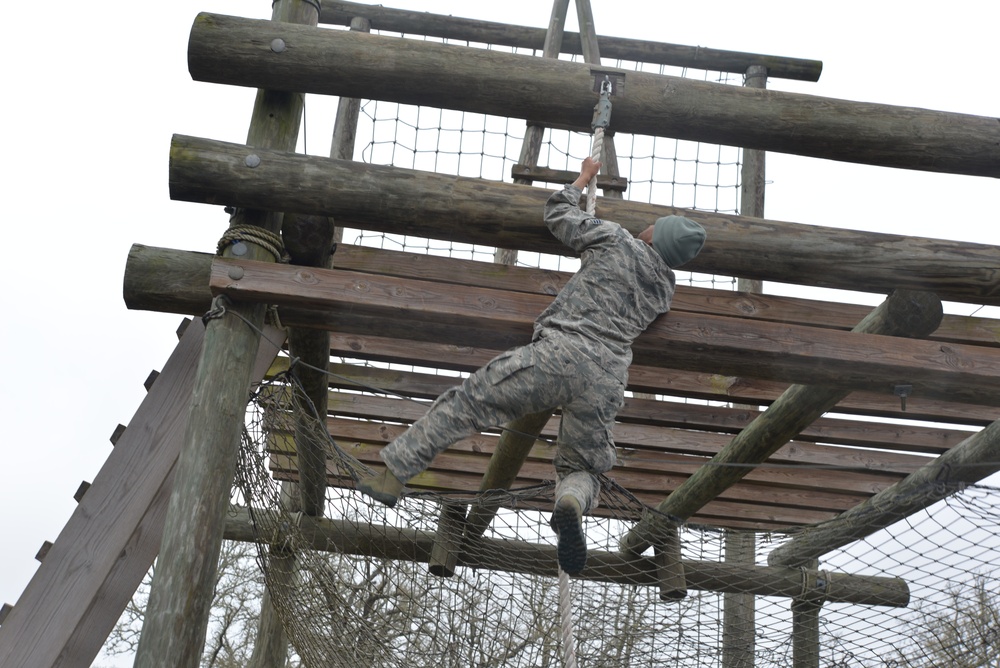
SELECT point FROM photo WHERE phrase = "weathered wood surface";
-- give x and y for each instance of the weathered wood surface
(777, 497)
(477, 211)
(503, 34)
(177, 615)
(968, 463)
(176, 281)
(232, 50)
(531, 558)
(902, 314)
(686, 341)
(645, 448)
(649, 379)
(528, 174)
(308, 240)
(636, 440)
(720, 420)
(472, 315)
(108, 544)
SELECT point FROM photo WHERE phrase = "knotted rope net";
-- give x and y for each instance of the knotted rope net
(371, 586)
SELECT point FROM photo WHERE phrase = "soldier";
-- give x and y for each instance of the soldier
(577, 360)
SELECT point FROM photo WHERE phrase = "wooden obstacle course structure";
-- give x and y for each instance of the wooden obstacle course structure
(392, 306)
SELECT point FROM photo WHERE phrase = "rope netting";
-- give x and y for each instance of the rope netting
(355, 588)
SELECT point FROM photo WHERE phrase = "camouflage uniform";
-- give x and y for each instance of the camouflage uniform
(578, 359)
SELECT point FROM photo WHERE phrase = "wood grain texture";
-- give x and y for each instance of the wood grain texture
(232, 50)
(451, 27)
(414, 545)
(472, 210)
(684, 341)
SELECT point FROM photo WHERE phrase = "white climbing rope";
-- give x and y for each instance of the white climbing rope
(595, 153)
(568, 643)
(565, 596)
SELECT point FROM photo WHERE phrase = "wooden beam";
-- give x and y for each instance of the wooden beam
(503, 34)
(109, 542)
(414, 309)
(227, 50)
(177, 615)
(529, 174)
(902, 314)
(638, 441)
(719, 420)
(968, 463)
(712, 387)
(772, 496)
(535, 559)
(179, 283)
(685, 341)
(472, 210)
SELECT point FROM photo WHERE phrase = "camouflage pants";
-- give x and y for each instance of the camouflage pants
(549, 373)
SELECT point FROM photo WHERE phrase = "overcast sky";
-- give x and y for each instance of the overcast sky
(94, 92)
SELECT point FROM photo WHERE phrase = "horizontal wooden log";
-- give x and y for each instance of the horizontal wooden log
(180, 285)
(531, 558)
(523, 37)
(530, 174)
(730, 346)
(236, 51)
(719, 345)
(476, 211)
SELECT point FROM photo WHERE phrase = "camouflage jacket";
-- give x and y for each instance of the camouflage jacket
(621, 287)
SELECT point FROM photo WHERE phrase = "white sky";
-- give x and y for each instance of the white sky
(94, 93)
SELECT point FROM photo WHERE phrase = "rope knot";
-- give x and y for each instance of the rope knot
(266, 239)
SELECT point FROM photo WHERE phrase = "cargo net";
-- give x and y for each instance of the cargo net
(417, 585)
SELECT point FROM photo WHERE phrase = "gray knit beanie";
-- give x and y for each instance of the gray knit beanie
(677, 239)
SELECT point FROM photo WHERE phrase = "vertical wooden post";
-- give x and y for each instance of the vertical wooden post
(669, 567)
(805, 622)
(177, 614)
(532, 144)
(309, 241)
(738, 614)
(752, 176)
(270, 650)
(738, 620)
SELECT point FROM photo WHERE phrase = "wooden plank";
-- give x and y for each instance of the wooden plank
(773, 308)
(503, 34)
(178, 281)
(648, 379)
(837, 431)
(720, 345)
(777, 494)
(226, 50)
(653, 455)
(472, 210)
(655, 436)
(179, 284)
(530, 174)
(99, 559)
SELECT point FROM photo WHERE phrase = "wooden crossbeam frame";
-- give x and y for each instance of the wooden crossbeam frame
(225, 50)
